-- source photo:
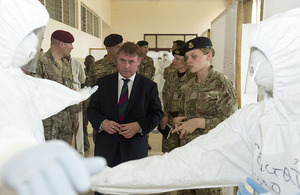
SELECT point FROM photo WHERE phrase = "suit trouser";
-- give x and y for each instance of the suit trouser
(115, 162)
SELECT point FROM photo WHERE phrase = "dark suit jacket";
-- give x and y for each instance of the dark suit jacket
(144, 107)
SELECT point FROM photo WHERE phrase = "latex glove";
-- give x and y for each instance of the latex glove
(86, 92)
(256, 187)
(50, 168)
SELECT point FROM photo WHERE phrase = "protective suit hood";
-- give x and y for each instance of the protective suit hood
(11, 38)
(279, 39)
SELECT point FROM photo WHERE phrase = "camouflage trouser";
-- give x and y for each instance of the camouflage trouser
(59, 127)
(173, 140)
(208, 191)
(188, 138)
(170, 143)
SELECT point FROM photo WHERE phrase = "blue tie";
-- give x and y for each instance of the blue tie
(123, 99)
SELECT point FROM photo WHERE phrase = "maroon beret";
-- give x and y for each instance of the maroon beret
(63, 36)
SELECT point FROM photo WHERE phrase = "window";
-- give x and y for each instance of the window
(89, 22)
(83, 19)
(164, 42)
(69, 12)
(61, 10)
(54, 9)
(96, 27)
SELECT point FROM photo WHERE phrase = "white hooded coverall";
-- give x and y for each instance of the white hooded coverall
(261, 140)
(25, 100)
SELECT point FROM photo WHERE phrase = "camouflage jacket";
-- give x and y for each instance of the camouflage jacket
(168, 76)
(172, 92)
(99, 69)
(146, 68)
(168, 71)
(48, 68)
(213, 99)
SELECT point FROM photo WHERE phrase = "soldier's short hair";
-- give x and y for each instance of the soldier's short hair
(207, 50)
(88, 56)
(131, 49)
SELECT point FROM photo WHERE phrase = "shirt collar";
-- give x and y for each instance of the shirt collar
(120, 77)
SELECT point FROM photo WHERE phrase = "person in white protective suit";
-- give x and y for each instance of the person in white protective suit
(260, 141)
(28, 164)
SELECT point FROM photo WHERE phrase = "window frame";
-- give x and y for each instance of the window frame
(184, 37)
(90, 22)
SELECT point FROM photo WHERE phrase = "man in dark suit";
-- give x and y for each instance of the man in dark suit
(122, 130)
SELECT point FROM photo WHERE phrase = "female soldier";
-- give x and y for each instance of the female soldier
(207, 100)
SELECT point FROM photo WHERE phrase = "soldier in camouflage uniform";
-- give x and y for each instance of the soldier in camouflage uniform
(171, 88)
(54, 66)
(88, 62)
(106, 65)
(170, 70)
(206, 100)
(172, 95)
(146, 67)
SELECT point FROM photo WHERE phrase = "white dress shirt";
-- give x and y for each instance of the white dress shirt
(121, 83)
